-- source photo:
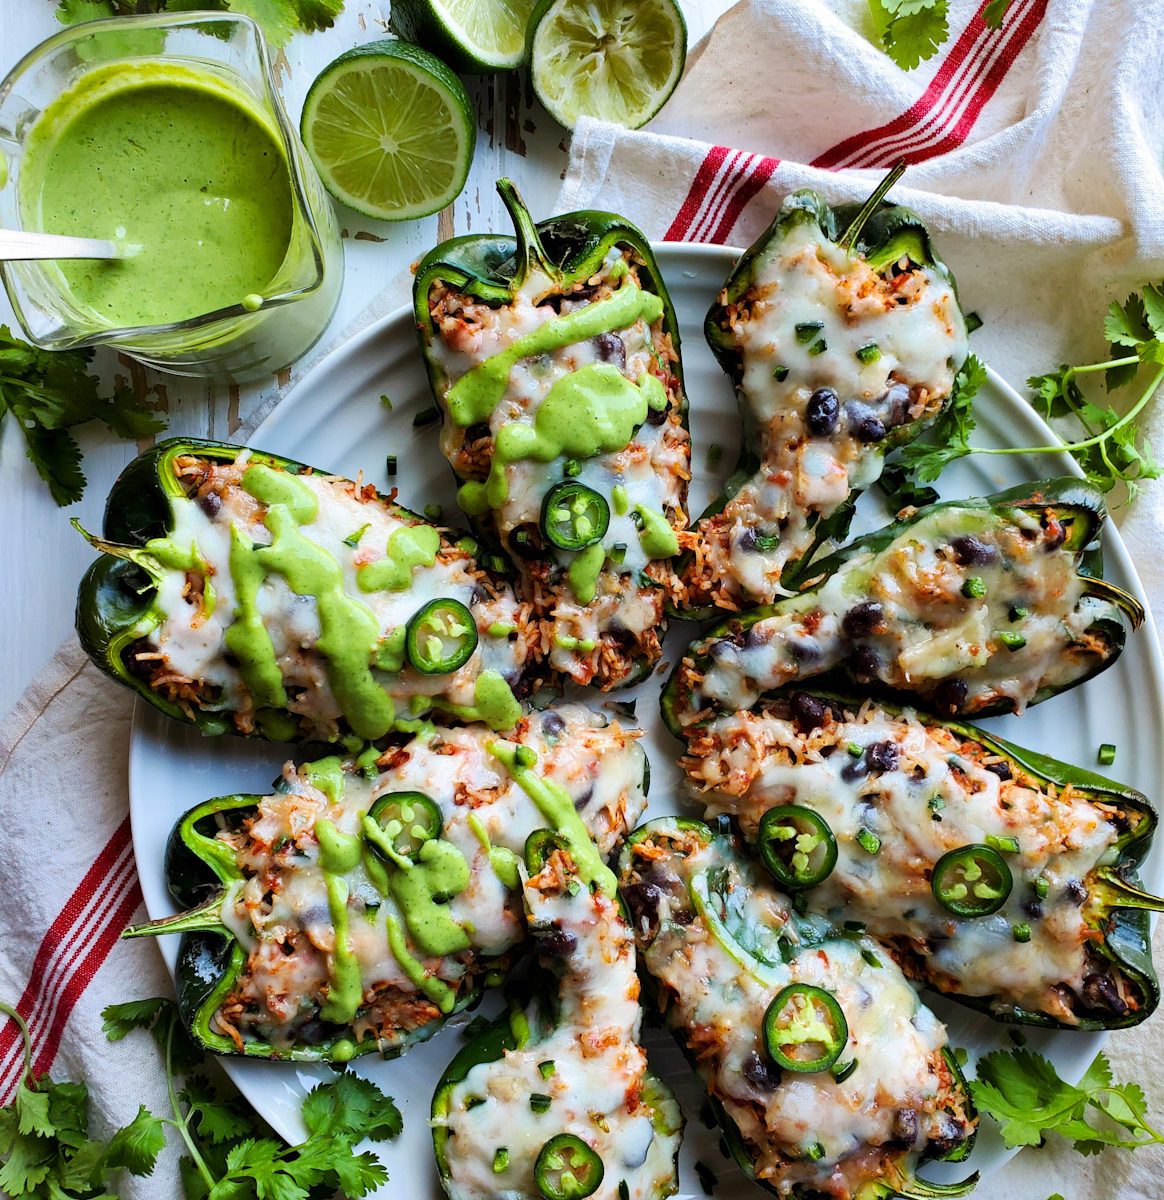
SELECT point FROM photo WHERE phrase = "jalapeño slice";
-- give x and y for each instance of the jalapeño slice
(441, 637)
(972, 881)
(406, 821)
(804, 1028)
(574, 516)
(797, 846)
(567, 1169)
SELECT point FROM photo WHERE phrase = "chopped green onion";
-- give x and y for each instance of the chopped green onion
(433, 512)
(546, 1068)
(618, 500)
(1004, 845)
(806, 331)
(813, 1153)
(1107, 753)
(818, 347)
(1012, 641)
(868, 840)
(623, 1190)
(974, 588)
(353, 539)
(855, 927)
(842, 1071)
(714, 453)
(573, 467)
(386, 402)
(780, 374)
(855, 750)
(1042, 886)
(870, 958)
(500, 1160)
(474, 1102)
(617, 553)
(500, 629)
(961, 1055)
(1017, 614)
(539, 1102)
(869, 353)
(936, 804)
(390, 463)
(426, 417)
(1022, 933)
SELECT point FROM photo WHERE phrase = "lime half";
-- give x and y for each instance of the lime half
(390, 129)
(474, 36)
(617, 60)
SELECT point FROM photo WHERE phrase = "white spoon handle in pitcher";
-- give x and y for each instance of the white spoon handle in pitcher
(19, 244)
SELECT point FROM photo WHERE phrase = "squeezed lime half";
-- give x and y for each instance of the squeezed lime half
(473, 36)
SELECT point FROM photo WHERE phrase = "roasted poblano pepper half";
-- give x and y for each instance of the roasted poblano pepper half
(722, 946)
(555, 1100)
(841, 332)
(554, 358)
(1000, 877)
(246, 593)
(978, 607)
(334, 917)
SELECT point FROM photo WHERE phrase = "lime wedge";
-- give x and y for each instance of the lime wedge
(473, 36)
(390, 129)
(617, 60)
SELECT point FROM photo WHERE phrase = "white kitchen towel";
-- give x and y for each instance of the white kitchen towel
(1035, 154)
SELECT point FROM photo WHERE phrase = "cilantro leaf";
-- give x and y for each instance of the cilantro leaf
(119, 1019)
(279, 18)
(993, 13)
(1023, 1093)
(352, 1108)
(137, 1146)
(910, 31)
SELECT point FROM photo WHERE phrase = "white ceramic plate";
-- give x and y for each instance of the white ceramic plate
(335, 419)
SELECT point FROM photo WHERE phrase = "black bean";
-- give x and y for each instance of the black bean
(895, 404)
(1001, 769)
(864, 424)
(804, 652)
(583, 800)
(863, 619)
(656, 416)
(1075, 891)
(747, 540)
(552, 724)
(822, 412)
(1056, 535)
(610, 348)
(906, 1127)
(558, 943)
(643, 901)
(949, 696)
(476, 432)
(1099, 991)
(881, 756)
(970, 551)
(478, 595)
(864, 663)
(755, 637)
(1033, 909)
(683, 916)
(760, 1073)
(210, 503)
(721, 647)
(141, 668)
(807, 711)
(854, 769)
(526, 542)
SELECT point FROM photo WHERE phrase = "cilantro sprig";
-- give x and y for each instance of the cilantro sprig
(50, 391)
(1113, 449)
(279, 18)
(911, 31)
(47, 1153)
(1023, 1093)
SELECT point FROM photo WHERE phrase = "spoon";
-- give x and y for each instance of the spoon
(18, 244)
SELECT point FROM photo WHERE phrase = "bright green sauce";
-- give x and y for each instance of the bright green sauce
(503, 860)
(582, 573)
(408, 547)
(594, 410)
(476, 394)
(435, 989)
(494, 703)
(557, 806)
(327, 774)
(440, 871)
(656, 537)
(345, 991)
(170, 159)
(339, 853)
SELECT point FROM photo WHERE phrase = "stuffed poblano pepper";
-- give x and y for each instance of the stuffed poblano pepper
(827, 1073)
(247, 593)
(555, 361)
(998, 876)
(976, 606)
(841, 331)
(366, 899)
(555, 1100)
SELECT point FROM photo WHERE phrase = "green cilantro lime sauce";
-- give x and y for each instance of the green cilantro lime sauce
(656, 537)
(594, 410)
(440, 870)
(389, 653)
(557, 806)
(276, 725)
(345, 990)
(408, 547)
(435, 989)
(654, 391)
(494, 703)
(174, 161)
(582, 573)
(169, 554)
(328, 775)
(476, 394)
(503, 860)
(339, 853)
(349, 630)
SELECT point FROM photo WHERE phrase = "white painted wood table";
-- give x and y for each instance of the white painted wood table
(42, 557)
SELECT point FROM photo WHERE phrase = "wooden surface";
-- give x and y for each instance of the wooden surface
(43, 557)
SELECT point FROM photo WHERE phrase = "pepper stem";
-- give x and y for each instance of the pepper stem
(924, 1190)
(531, 254)
(206, 918)
(1131, 607)
(134, 554)
(1116, 893)
(870, 206)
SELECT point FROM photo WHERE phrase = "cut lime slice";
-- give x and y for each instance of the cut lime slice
(474, 36)
(617, 60)
(391, 130)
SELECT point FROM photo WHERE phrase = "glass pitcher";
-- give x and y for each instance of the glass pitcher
(252, 338)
